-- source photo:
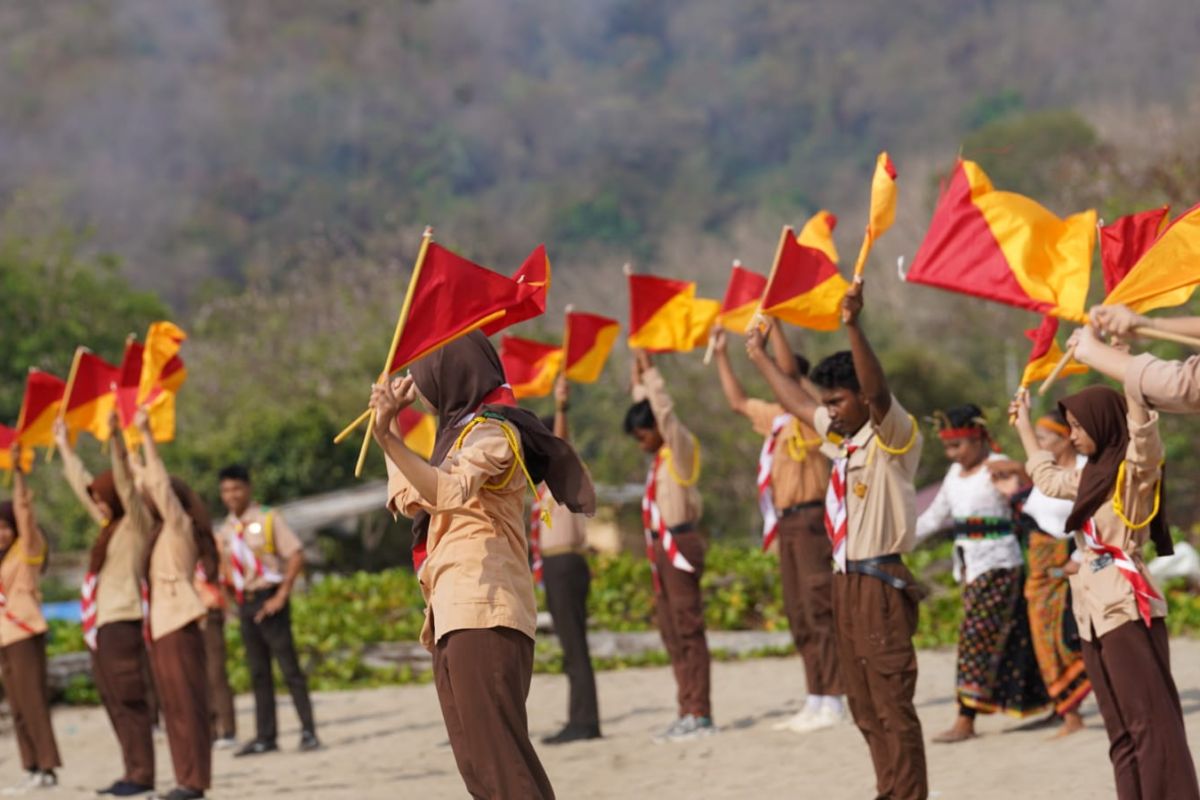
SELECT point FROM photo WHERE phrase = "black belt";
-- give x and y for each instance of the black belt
(675, 530)
(870, 566)
(787, 512)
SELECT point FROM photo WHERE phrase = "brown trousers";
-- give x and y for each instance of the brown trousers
(567, 580)
(806, 566)
(679, 610)
(875, 625)
(23, 665)
(179, 674)
(482, 677)
(220, 695)
(1130, 670)
(119, 664)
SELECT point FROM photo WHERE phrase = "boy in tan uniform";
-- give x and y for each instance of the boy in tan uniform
(262, 558)
(870, 514)
(793, 476)
(671, 512)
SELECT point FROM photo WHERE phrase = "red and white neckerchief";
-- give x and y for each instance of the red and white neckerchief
(244, 561)
(144, 587)
(766, 494)
(540, 500)
(8, 615)
(502, 395)
(87, 609)
(1143, 590)
(836, 516)
(653, 524)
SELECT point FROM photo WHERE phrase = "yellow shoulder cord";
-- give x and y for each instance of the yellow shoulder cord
(39, 559)
(269, 533)
(515, 446)
(1119, 504)
(894, 451)
(669, 458)
(797, 445)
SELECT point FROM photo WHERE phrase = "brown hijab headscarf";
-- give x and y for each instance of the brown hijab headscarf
(455, 380)
(104, 487)
(1102, 412)
(202, 530)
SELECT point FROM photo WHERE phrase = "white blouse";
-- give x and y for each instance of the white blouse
(1050, 513)
(962, 497)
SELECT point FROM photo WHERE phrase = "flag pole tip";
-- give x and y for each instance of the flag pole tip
(627, 268)
(737, 262)
(570, 308)
(428, 231)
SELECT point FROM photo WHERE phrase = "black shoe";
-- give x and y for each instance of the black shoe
(309, 742)
(573, 733)
(124, 788)
(183, 793)
(256, 747)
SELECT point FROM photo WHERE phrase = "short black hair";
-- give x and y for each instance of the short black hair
(234, 472)
(968, 415)
(640, 417)
(1056, 415)
(802, 365)
(836, 372)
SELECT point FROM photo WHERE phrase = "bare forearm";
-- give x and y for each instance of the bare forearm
(418, 472)
(870, 373)
(295, 564)
(781, 351)
(1186, 326)
(730, 386)
(788, 392)
(1104, 359)
(561, 429)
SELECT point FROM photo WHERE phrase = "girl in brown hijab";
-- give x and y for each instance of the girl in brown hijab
(470, 551)
(1118, 501)
(23, 636)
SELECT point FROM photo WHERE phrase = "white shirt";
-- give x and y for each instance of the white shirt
(1050, 513)
(961, 497)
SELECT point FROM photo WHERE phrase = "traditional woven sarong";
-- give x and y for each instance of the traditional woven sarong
(1052, 624)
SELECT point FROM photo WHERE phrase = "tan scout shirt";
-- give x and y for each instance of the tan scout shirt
(881, 500)
(284, 542)
(1103, 599)
(567, 531)
(173, 598)
(118, 586)
(1167, 385)
(677, 502)
(19, 575)
(476, 574)
(799, 471)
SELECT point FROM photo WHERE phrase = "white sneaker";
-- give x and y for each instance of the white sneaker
(825, 717)
(33, 781)
(798, 718)
(224, 743)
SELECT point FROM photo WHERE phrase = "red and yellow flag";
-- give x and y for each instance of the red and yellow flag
(418, 430)
(1045, 354)
(1125, 241)
(90, 394)
(805, 287)
(533, 280)
(883, 208)
(1006, 248)
(161, 368)
(451, 296)
(530, 367)
(589, 338)
(39, 409)
(665, 314)
(1167, 273)
(160, 402)
(7, 437)
(742, 295)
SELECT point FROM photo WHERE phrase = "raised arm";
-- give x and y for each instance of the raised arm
(674, 433)
(388, 399)
(155, 476)
(1122, 321)
(866, 365)
(735, 396)
(562, 402)
(32, 542)
(781, 351)
(790, 394)
(77, 475)
(1018, 412)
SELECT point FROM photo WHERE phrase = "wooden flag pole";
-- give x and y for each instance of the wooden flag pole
(567, 312)
(863, 252)
(62, 408)
(759, 318)
(353, 426)
(1148, 333)
(405, 310)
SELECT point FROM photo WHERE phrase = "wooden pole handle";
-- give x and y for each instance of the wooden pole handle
(1054, 373)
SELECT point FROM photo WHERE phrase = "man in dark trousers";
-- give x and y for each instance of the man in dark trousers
(261, 559)
(561, 547)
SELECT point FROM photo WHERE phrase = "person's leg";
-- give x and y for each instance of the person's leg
(220, 694)
(14, 670)
(121, 655)
(790, 544)
(277, 631)
(488, 672)
(258, 659)
(665, 619)
(814, 557)
(687, 610)
(179, 671)
(1138, 667)
(452, 716)
(567, 579)
(1121, 750)
(847, 615)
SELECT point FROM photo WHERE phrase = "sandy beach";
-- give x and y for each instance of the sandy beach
(390, 743)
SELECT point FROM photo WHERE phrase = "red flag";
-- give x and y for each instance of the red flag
(533, 277)
(589, 340)
(530, 367)
(742, 295)
(1126, 240)
(7, 437)
(39, 408)
(90, 394)
(806, 288)
(160, 402)
(1046, 353)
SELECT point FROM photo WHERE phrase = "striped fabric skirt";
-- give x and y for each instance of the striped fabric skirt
(997, 667)
(1052, 624)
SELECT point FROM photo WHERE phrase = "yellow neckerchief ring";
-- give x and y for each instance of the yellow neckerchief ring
(515, 446)
(1118, 503)
(894, 451)
(670, 461)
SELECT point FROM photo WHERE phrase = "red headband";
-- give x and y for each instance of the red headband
(949, 434)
